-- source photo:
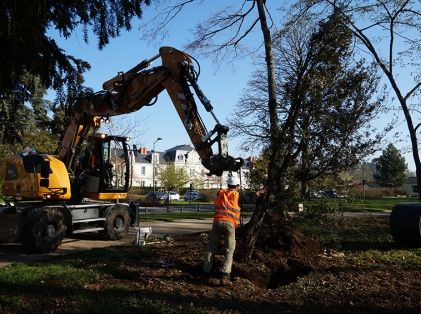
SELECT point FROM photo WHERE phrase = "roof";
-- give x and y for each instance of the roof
(172, 153)
(142, 159)
(185, 147)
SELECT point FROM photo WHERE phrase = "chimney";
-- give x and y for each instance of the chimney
(143, 150)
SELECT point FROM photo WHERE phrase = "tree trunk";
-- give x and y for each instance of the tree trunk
(412, 130)
(245, 250)
(262, 205)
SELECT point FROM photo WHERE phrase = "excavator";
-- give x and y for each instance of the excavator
(81, 188)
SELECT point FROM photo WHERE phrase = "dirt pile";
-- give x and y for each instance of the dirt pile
(282, 252)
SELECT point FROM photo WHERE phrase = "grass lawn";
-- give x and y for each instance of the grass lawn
(171, 216)
(362, 204)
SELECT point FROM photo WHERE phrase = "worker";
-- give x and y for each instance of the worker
(225, 221)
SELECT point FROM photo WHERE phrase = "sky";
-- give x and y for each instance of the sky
(222, 84)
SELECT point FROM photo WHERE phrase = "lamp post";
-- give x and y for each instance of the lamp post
(153, 167)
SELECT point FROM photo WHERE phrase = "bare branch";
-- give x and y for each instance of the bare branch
(413, 90)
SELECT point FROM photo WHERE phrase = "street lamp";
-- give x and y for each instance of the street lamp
(153, 167)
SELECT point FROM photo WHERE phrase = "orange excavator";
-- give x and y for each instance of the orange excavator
(81, 187)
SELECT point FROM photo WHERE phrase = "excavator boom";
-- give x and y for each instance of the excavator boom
(138, 87)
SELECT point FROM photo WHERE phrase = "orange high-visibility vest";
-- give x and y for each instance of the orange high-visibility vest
(226, 206)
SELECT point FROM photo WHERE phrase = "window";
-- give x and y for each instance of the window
(414, 188)
(143, 170)
(11, 171)
(192, 172)
(142, 183)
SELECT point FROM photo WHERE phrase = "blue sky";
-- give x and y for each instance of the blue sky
(221, 84)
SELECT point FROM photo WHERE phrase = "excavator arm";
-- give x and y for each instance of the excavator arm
(139, 87)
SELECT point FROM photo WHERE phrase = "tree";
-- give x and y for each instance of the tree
(23, 30)
(324, 90)
(172, 177)
(391, 168)
(390, 30)
(27, 123)
(237, 24)
(280, 123)
(258, 171)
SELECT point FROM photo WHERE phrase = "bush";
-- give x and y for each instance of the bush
(376, 192)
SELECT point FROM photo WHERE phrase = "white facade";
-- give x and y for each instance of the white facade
(410, 186)
(183, 156)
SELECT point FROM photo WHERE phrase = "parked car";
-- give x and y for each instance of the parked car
(329, 193)
(158, 195)
(192, 196)
(173, 196)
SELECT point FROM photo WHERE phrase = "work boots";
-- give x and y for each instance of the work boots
(225, 280)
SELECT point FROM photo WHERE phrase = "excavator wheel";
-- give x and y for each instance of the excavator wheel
(117, 222)
(43, 230)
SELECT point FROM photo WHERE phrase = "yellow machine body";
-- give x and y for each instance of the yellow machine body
(22, 178)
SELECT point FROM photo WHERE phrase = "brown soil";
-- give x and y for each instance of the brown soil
(288, 273)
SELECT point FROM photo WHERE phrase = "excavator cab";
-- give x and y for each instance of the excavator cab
(105, 168)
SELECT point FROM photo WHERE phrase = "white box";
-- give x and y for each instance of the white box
(142, 234)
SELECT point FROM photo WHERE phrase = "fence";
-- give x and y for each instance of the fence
(186, 208)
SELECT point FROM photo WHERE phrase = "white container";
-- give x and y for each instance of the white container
(142, 234)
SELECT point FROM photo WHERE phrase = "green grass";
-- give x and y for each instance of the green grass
(172, 216)
(96, 281)
(363, 204)
(410, 257)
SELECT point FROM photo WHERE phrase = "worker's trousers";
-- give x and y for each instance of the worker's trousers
(226, 230)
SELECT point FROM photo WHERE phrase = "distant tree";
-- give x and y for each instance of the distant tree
(25, 122)
(172, 177)
(40, 106)
(23, 30)
(362, 172)
(258, 171)
(391, 168)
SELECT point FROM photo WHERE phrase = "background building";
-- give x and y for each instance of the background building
(183, 156)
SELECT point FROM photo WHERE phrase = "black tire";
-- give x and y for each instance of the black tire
(405, 223)
(117, 222)
(44, 230)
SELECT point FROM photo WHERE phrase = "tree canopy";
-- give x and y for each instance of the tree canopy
(23, 30)
(391, 168)
(172, 177)
(320, 91)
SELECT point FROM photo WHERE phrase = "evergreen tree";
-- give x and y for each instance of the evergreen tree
(391, 168)
(28, 48)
